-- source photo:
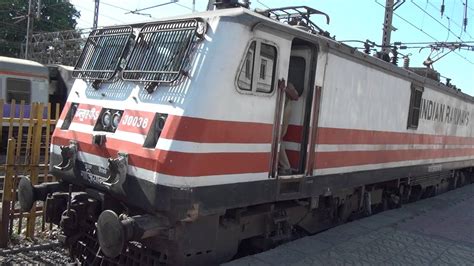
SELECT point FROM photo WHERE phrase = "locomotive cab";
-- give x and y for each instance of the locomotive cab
(173, 121)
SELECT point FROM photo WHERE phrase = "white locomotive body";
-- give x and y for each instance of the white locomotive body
(176, 127)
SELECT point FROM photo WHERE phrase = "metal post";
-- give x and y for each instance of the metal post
(28, 29)
(7, 208)
(38, 10)
(210, 4)
(36, 113)
(96, 14)
(390, 7)
(387, 26)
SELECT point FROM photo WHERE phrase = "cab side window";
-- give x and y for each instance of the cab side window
(415, 106)
(267, 64)
(245, 76)
(257, 73)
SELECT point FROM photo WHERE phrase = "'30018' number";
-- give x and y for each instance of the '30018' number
(135, 121)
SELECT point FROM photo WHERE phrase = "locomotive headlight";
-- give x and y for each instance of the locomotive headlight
(106, 119)
(116, 119)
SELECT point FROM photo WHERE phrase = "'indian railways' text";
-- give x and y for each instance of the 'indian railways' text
(434, 111)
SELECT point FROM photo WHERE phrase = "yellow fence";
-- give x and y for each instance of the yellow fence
(26, 133)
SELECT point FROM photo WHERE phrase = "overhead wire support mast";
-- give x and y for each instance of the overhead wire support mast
(390, 7)
(96, 14)
(29, 28)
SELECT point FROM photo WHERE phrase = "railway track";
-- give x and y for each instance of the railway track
(46, 252)
(52, 251)
(434, 231)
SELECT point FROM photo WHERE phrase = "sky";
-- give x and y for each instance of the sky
(414, 20)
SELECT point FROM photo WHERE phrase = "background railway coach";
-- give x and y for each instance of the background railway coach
(172, 132)
(23, 80)
(31, 82)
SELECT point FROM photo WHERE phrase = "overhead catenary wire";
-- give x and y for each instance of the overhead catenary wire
(14, 26)
(427, 43)
(439, 22)
(260, 2)
(109, 17)
(58, 26)
(128, 11)
(424, 32)
(450, 18)
(137, 11)
(181, 5)
(154, 6)
(410, 23)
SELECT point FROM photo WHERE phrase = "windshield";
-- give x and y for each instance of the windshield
(161, 51)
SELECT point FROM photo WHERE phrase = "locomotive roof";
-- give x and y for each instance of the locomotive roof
(22, 65)
(253, 19)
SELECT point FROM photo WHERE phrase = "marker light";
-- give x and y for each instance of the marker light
(116, 119)
(106, 119)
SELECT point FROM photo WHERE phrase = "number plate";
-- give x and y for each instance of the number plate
(93, 178)
(94, 174)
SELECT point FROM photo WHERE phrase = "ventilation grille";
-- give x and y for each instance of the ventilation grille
(161, 50)
(102, 53)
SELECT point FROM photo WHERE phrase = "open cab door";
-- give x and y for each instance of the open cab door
(296, 119)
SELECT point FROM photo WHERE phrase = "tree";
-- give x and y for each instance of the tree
(55, 15)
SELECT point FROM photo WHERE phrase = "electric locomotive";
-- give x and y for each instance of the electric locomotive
(167, 149)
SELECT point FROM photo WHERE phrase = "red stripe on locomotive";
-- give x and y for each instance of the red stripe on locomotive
(354, 158)
(356, 136)
(359, 136)
(216, 131)
(171, 162)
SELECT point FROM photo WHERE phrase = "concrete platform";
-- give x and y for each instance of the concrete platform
(434, 231)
